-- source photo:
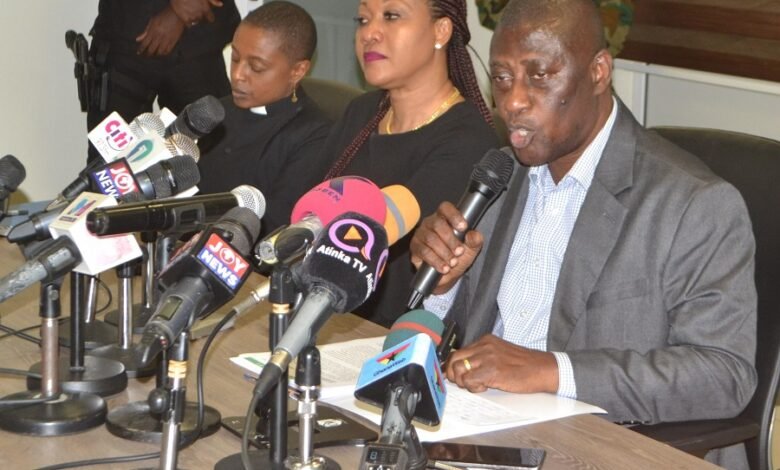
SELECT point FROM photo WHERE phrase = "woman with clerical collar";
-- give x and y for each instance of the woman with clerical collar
(273, 133)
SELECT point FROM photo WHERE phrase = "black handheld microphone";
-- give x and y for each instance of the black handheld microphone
(163, 179)
(12, 173)
(340, 271)
(197, 118)
(488, 179)
(207, 272)
(80, 184)
(181, 215)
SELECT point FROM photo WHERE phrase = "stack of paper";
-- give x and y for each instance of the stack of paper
(465, 413)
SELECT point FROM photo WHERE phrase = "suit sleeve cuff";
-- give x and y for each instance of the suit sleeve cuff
(566, 385)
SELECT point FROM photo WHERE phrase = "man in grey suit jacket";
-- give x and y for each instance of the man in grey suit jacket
(653, 314)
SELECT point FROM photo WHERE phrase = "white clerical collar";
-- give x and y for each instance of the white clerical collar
(259, 110)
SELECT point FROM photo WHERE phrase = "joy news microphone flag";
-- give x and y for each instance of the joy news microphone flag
(164, 179)
(202, 276)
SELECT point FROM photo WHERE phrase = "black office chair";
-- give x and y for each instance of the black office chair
(752, 165)
(331, 96)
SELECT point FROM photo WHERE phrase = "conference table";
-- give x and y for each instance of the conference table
(583, 441)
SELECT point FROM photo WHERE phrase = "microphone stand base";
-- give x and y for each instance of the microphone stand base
(129, 358)
(318, 462)
(100, 376)
(69, 414)
(96, 333)
(260, 459)
(135, 422)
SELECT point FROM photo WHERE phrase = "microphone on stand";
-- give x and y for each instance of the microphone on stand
(147, 123)
(488, 179)
(139, 142)
(181, 215)
(197, 118)
(339, 273)
(402, 215)
(12, 173)
(164, 179)
(207, 272)
(316, 209)
(111, 137)
(403, 212)
(74, 249)
(406, 380)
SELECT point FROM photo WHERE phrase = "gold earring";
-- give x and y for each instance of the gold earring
(437, 46)
(294, 98)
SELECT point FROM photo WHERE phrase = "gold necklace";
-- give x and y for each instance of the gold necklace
(444, 106)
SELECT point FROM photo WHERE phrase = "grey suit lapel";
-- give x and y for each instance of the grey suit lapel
(596, 231)
(498, 227)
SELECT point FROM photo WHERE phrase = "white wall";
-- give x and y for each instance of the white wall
(660, 95)
(41, 122)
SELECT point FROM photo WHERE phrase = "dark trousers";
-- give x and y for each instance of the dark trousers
(135, 81)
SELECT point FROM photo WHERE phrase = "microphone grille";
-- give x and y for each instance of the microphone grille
(244, 225)
(180, 144)
(204, 114)
(251, 198)
(147, 123)
(494, 170)
(12, 173)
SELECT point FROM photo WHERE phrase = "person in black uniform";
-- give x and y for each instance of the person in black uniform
(425, 128)
(273, 133)
(150, 51)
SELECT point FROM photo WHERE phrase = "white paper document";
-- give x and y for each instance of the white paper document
(465, 413)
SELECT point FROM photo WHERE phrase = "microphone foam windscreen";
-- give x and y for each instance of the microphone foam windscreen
(336, 196)
(12, 173)
(413, 323)
(494, 170)
(403, 212)
(180, 144)
(203, 115)
(251, 198)
(181, 172)
(244, 227)
(147, 123)
(347, 258)
(159, 178)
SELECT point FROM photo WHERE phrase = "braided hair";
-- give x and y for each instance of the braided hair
(460, 70)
